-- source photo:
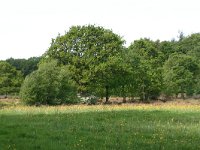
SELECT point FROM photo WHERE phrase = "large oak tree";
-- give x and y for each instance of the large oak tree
(91, 53)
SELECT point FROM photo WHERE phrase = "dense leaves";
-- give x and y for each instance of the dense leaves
(101, 66)
(146, 61)
(180, 72)
(26, 66)
(91, 53)
(93, 62)
(50, 84)
(10, 79)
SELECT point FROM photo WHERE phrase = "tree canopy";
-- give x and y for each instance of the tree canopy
(91, 53)
(180, 72)
(102, 66)
(26, 66)
(10, 79)
(50, 84)
(146, 61)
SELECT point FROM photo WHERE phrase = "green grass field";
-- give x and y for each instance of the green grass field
(142, 126)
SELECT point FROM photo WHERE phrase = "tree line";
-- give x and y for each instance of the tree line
(92, 61)
(12, 73)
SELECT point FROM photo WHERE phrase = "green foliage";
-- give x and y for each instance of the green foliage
(94, 60)
(123, 76)
(26, 66)
(50, 84)
(101, 66)
(180, 72)
(106, 77)
(67, 89)
(10, 79)
(90, 53)
(189, 43)
(146, 61)
(167, 48)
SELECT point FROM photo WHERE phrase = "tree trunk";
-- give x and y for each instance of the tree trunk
(6, 93)
(107, 93)
(124, 99)
(124, 95)
(183, 95)
(143, 93)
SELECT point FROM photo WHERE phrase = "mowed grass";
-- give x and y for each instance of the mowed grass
(134, 126)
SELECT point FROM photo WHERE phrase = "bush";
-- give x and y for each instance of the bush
(50, 84)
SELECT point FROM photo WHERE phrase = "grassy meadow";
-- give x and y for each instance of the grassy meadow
(171, 125)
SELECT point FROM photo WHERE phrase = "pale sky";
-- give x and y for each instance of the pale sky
(27, 26)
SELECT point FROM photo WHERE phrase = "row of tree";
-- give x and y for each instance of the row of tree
(94, 61)
(12, 73)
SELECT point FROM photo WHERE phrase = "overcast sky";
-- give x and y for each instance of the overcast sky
(27, 26)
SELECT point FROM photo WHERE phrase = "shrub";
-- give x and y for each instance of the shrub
(50, 84)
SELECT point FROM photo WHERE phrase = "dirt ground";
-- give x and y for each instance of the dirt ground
(119, 100)
(9, 100)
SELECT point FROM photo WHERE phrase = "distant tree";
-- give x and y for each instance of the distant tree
(146, 61)
(180, 72)
(195, 54)
(125, 77)
(189, 43)
(49, 84)
(26, 66)
(10, 79)
(167, 48)
(192, 44)
(181, 36)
